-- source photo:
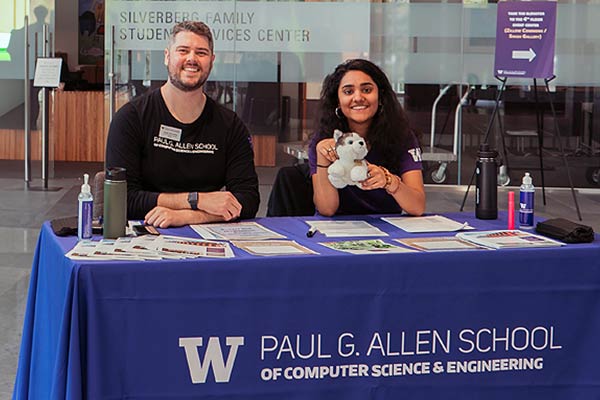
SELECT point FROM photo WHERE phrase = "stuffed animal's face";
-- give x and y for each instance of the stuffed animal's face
(349, 145)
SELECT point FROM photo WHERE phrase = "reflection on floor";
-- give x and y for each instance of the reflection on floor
(23, 211)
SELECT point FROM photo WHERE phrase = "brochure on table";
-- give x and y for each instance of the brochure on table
(236, 231)
(430, 223)
(368, 246)
(502, 239)
(149, 248)
(445, 243)
(272, 247)
(346, 228)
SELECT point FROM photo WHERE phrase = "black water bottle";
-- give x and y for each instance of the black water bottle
(486, 201)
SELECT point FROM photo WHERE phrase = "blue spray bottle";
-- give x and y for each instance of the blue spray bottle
(527, 191)
(85, 211)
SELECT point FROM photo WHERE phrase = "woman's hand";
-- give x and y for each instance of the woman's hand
(325, 195)
(376, 178)
(326, 151)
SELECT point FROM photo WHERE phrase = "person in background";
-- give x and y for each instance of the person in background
(180, 148)
(358, 97)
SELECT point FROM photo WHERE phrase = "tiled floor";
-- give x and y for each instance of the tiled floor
(23, 211)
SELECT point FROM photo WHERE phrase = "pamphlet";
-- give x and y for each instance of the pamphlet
(346, 228)
(146, 247)
(272, 247)
(236, 231)
(366, 247)
(502, 239)
(445, 243)
(431, 223)
(86, 250)
(111, 248)
(149, 247)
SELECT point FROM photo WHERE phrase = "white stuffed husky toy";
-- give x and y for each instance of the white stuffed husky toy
(350, 168)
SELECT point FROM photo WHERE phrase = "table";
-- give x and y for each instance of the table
(505, 324)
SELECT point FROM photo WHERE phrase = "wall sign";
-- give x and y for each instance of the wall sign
(246, 26)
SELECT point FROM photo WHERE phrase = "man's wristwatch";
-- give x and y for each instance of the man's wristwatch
(193, 200)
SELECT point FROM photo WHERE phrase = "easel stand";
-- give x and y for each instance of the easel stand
(540, 133)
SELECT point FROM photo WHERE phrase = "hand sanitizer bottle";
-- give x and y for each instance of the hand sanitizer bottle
(526, 202)
(85, 212)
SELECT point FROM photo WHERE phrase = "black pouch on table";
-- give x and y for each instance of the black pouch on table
(565, 230)
(64, 226)
(67, 226)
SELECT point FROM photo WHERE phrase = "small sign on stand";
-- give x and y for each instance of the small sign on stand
(47, 72)
(525, 38)
(47, 75)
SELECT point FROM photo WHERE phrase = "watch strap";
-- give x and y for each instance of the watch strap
(193, 200)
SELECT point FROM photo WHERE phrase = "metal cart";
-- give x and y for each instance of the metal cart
(442, 156)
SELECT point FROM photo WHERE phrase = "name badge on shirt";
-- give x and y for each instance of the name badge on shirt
(168, 132)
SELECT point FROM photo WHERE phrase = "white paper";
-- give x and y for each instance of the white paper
(501, 239)
(439, 244)
(273, 247)
(346, 228)
(47, 72)
(275, 250)
(432, 223)
(236, 231)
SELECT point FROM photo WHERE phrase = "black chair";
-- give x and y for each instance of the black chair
(292, 192)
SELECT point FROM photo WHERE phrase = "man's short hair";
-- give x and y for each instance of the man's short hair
(197, 27)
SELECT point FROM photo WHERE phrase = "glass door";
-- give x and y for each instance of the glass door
(21, 27)
(271, 57)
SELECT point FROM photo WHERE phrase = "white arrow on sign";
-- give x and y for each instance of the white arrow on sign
(523, 54)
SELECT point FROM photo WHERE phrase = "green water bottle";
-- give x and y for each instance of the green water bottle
(115, 203)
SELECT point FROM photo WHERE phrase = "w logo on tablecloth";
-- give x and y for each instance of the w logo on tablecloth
(213, 357)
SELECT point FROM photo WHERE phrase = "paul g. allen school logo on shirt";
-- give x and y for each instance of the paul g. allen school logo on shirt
(169, 138)
(213, 357)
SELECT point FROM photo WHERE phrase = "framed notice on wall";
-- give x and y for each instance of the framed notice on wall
(525, 39)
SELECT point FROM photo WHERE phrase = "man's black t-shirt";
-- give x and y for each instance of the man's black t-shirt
(163, 155)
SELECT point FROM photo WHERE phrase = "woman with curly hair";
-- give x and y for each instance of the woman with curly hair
(358, 97)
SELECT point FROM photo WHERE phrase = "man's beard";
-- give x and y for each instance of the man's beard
(186, 87)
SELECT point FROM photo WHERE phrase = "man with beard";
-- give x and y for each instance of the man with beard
(180, 148)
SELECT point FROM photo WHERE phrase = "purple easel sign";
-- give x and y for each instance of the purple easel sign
(525, 38)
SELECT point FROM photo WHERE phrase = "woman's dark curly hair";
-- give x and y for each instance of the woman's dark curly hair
(389, 131)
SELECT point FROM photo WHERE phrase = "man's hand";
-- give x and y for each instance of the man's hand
(223, 204)
(214, 206)
(163, 217)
